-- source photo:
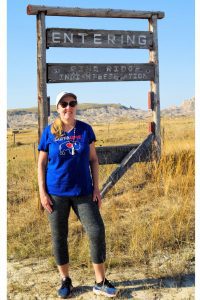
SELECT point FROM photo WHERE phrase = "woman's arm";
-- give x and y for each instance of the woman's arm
(44, 197)
(94, 165)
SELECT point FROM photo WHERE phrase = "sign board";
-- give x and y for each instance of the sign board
(113, 154)
(88, 38)
(99, 72)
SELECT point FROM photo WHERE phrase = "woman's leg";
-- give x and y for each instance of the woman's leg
(99, 270)
(63, 270)
(59, 232)
(88, 213)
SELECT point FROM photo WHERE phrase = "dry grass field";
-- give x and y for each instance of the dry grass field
(149, 214)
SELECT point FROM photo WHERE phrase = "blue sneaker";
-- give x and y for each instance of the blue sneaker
(105, 288)
(66, 288)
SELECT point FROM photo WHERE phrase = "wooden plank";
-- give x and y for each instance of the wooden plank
(89, 38)
(41, 74)
(141, 153)
(113, 154)
(154, 84)
(91, 12)
(99, 72)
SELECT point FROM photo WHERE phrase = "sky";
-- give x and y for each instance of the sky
(175, 42)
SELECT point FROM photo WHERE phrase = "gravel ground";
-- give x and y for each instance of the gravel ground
(35, 279)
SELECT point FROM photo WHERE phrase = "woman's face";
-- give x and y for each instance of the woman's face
(67, 113)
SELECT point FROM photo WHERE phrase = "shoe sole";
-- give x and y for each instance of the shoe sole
(97, 292)
(69, 296)
(65, 297)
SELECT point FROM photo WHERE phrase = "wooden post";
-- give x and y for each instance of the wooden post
(154, 85)
(41, 79)
(34, 152)
(14, 132)
(13, 138)
(163, 137)
(41, 74)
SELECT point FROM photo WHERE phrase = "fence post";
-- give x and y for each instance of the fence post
(13, 138)
(154, 84)
(34, 152)
(14, 132)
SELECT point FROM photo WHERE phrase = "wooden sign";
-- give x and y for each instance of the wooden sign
(99, 72)
(88, 38)
(113, 154)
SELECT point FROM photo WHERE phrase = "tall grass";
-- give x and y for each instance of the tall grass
(149, 212)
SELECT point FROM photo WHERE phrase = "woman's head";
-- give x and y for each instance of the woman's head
(62, 94)
(66, 104)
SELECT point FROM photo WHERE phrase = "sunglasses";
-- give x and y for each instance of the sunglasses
(64, 104)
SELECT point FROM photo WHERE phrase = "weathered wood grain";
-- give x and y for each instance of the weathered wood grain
(41, 80)
(41, 74)
(141, 153)
(91, 12)
(151, 100)
(89, 38)
(113, 154)
(154, 84)
(99, 72)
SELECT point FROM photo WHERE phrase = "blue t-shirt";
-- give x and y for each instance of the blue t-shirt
(68, 170)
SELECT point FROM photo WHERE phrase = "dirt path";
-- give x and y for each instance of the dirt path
(34, 279)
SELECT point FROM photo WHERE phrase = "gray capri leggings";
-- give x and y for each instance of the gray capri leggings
(88, 213)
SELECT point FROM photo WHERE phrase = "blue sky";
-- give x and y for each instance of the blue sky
(176, 53)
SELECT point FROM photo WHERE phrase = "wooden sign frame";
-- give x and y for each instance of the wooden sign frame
(124, 155)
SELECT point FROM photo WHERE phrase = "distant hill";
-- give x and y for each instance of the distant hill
(82, 107)
(186, 108)
(97, 113)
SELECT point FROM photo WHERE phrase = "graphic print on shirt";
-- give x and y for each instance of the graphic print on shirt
(70, 145)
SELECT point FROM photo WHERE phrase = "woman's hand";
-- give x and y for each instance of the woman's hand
(95, 176)
(46, 202)
(44, 197)
(97, 196)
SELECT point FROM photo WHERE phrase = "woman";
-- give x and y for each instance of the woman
(68, 178)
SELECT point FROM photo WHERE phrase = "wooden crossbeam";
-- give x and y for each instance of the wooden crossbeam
(141, 153)
(113, 154)
(92, 12)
